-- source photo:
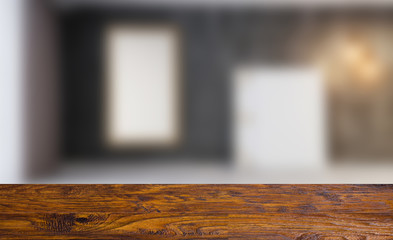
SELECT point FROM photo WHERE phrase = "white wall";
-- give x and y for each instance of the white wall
(11, 90)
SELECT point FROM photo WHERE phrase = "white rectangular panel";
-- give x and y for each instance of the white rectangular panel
(279, 118)
(142, 86)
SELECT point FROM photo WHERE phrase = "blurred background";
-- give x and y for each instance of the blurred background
(194, 91)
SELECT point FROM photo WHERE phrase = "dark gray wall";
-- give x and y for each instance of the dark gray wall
(206, 64)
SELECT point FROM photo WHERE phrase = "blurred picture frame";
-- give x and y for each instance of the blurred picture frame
(142, 86)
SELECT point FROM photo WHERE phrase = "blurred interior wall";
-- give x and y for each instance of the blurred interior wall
(216, 41)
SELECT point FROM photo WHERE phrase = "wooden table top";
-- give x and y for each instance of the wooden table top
(302, 212)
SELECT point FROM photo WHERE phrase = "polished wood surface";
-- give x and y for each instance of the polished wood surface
(302, 212)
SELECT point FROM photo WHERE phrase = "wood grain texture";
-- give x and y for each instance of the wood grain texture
(301, 212)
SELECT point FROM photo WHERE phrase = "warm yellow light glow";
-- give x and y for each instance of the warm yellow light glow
(369, 70)
(361, 61)
(353, 53)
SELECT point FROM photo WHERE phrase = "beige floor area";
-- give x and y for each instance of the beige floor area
(204, 173)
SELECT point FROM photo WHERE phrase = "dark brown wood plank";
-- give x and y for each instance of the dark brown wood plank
(196, 212)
